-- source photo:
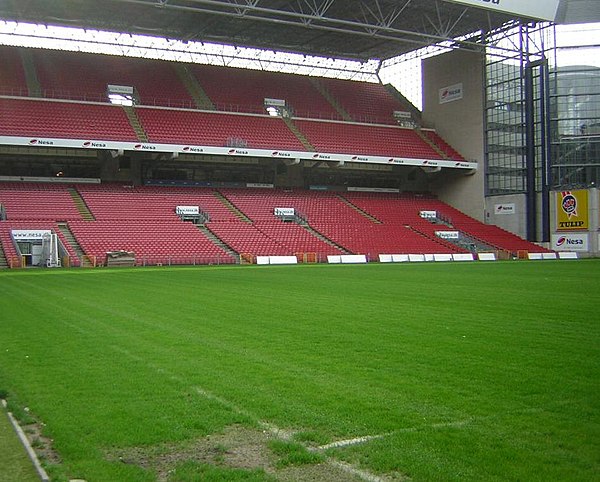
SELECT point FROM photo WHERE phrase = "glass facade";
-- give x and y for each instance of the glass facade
(563, 105)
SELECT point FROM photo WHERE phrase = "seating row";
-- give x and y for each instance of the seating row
(143, 219)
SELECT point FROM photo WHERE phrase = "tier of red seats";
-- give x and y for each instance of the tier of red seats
(37, 201)
(373, 140)
(64, 120)
(246, 238)
(396, 209)
(327, 213)
(217, 129)
(296, 238)
(155, 81)
(12, 75)
(151, 241)
(232, 89)
(488, 233)
(364, 101)
(443, 145)
(123, 202)
(143, 220)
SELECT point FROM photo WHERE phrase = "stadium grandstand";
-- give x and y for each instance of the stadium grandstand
(158, 132)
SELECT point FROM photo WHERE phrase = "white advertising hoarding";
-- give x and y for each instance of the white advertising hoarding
(506, 208)
(29, 234)
(570, 242)
(447, 234)
(451, 93)
(190, 210)
(118, 146)
(285, 212)
(538, 9)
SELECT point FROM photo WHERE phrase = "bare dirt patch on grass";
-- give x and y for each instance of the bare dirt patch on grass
(237, 448)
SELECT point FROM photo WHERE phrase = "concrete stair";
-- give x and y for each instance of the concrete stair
(435, 147)
(334, 103)
(294, 128)
(218, 241)
(3, 261)
(82, 207)
(64, 228)
(359, 210)
(193, 87)
(323, 238)
(135, 123)
(33, 84)
(227, 203)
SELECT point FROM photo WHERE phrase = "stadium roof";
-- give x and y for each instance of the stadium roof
(351, 29)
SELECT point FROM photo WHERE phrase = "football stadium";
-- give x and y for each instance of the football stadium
(299, 240)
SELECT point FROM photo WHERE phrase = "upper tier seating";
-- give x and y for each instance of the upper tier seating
(217, 129)
(12, 75)
(155, 81)
(64, 120)
(365, 102)
(443, 145)
(241, 90)
(23, 201)
(374, 140)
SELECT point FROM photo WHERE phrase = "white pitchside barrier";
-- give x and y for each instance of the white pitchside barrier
(276, 260)
(417, 258)
(567, 255)
(347, 259)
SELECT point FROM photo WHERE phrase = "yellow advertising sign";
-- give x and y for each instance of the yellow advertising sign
(571, 210)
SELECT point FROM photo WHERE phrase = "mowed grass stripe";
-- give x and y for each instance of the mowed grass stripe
(116, 358)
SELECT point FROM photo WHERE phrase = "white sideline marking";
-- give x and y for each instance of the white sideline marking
(277, 432)
(366, 476)
(25, 441)
(368, 438)
(352, 441)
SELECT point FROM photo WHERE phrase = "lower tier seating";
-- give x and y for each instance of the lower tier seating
(152, 242)
(142, 220)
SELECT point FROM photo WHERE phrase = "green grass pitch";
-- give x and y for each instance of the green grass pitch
(431, 371)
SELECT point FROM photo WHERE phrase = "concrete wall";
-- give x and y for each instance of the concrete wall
(508, 212)
(459, 122)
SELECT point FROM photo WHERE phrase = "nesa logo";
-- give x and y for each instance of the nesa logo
(40, 142)
(564, 241)
(192, 149)
(450, 93)
(231, 152)
(94, 144)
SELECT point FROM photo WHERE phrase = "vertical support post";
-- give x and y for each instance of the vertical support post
(546, 148)
(530, 142)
